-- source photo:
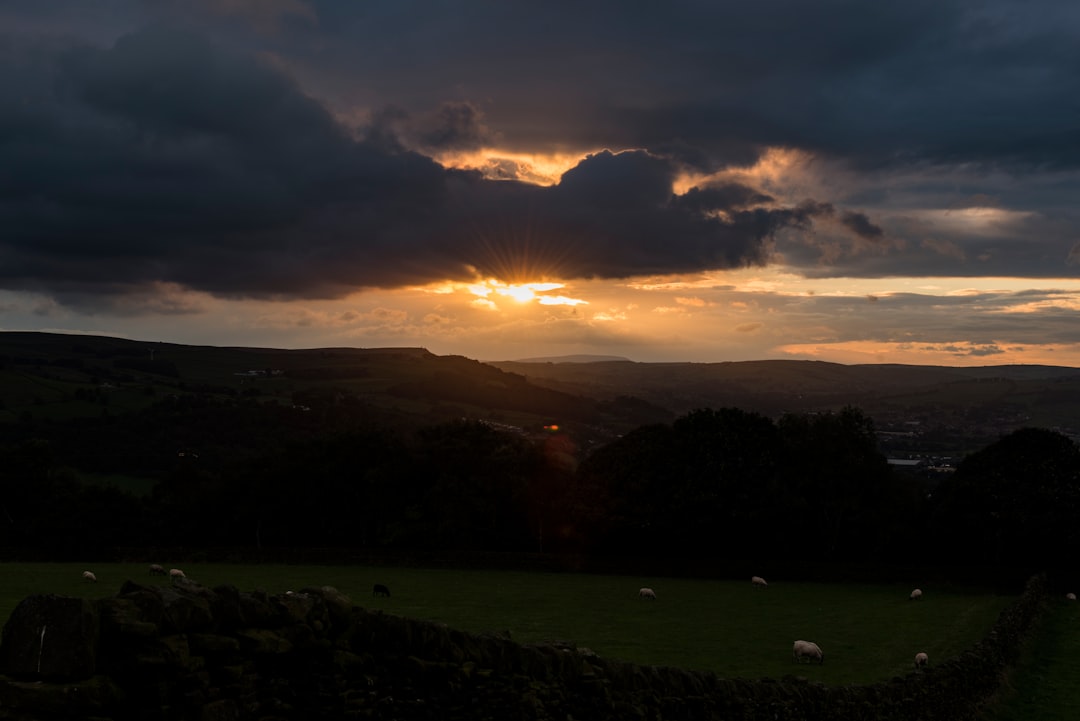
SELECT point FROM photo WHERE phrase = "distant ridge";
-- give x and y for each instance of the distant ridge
(581, 358)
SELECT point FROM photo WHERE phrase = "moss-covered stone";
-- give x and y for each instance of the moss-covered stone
(51, 637)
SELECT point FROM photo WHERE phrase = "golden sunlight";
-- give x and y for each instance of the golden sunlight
(775, 168)
(959, 353)
(521, 292)
(495, 164)
(982, 220)
(524, 292)
(560, 300)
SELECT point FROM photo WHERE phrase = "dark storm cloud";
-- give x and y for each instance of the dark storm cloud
(861, 225)
(613, 215)
(938, 81)
(453, 126)
(877, 83)
(722, 195)
(283, 148)
(166, 159)
(456, 126)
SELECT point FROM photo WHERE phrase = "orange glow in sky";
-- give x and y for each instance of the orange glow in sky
(523, 292)
(536, 168)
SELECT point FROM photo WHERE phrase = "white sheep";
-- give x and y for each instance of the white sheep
(921, 659)
(89, 576)
(176, 573)
(759, 581)
(1070, 596)
(808, 650)
(157, 570)
(915, 595)
(647, 593)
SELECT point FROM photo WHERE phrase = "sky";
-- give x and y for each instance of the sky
(838, 180)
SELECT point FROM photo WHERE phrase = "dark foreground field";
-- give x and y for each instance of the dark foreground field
(868, 632)
(1046, 684)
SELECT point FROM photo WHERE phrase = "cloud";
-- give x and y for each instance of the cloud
(457, 126)
(1073, 257)
(859, 224)
(265, 16)
(722, 195)
(289, 149)
(169, 160)
(975, 350)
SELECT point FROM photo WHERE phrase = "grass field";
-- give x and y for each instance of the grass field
(868, 632)
(1046, 684)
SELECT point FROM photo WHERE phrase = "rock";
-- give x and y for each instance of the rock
(122, 617)
(338, 605)
(185, 612)
(256, 611)
(209, 644)
(50, 637)
(263, 641)
(85, 699)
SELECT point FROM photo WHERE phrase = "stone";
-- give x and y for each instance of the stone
(210, 644)
(263, 641)
(255, 610)
(338, 605)
(185, 611)
(50, 637)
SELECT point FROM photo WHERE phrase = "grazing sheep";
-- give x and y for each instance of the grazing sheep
(1070, 596)
(647, 593)
(380, 590)
(176, 573)
(89, 576)
(915, 595)
(759, 581)
(156, 570)
(808, 650)
(921, 659)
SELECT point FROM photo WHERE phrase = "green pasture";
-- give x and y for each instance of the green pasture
(868, 632)
(1046, 684)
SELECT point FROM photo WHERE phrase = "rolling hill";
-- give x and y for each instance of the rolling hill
(55, 377)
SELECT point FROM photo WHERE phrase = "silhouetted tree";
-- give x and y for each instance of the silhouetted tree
(34, 490)
(701, 487)
(620, 489)
(1014, 502)
(475, 480)
(341, 490)
(728, 461)
(836, 484)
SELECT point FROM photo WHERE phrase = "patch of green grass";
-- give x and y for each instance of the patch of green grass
(1046, 684)
(868, 632)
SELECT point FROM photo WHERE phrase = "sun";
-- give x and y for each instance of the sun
(522, 293)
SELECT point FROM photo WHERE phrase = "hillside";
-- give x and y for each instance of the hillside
(961, 408)
(112, 440)
(53, 378)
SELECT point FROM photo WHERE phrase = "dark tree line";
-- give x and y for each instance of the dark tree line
(737, 484)
(713, 484)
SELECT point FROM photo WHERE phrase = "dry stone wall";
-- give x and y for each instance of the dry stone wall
(190, 652)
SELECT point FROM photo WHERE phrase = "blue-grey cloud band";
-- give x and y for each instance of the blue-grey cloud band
(165, 159)
(215, 157)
